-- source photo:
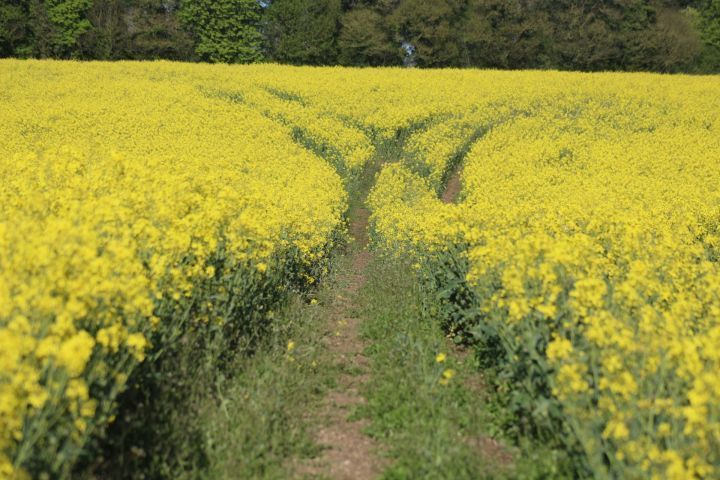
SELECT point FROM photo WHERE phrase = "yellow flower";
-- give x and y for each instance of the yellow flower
(137, 343)
(75, 352)
(440, 357)
(617, 430)
(447, 375)
(559, 349)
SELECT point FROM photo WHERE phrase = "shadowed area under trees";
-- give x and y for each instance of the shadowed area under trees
(592, 35)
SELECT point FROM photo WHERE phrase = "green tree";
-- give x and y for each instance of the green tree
(365, 40)
(303, 31)
(69, 21)
(56, 27)
(107, 39)
(506, 34)
(707, 19)
(656, 35)
(13, 27)
(583, 36)
(153, 29)
(610, 35)
(224, 30)
(673, 44)
(431, 29)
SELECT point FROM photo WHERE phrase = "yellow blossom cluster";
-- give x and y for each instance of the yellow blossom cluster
(345, 145)
(433, 151)
(588, 235)
(130, 201)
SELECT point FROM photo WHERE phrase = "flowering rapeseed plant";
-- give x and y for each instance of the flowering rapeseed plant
(586, 242)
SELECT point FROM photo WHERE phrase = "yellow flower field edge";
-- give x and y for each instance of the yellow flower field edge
(582, 264)
(138, 238)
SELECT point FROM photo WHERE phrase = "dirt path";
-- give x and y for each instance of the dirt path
(348, 453)
(453, 187)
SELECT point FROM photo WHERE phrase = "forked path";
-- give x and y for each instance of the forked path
(347, 452)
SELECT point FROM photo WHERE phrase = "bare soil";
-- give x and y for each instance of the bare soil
(347, 452)
(453, 187)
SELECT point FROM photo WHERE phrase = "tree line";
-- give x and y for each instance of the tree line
(655, 35)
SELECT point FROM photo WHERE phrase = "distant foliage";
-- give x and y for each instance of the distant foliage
(709, 26)
(224, 30)
(303, 31)
(365, 40)
(43, 28)
(632, 35)
(13, 28)
(66, 21)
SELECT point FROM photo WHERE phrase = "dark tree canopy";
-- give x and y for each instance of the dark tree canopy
(592, 35)
(365, 40)
(224, 30)
(303, 31)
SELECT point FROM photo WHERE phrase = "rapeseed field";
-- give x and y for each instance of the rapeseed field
(143, 201)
